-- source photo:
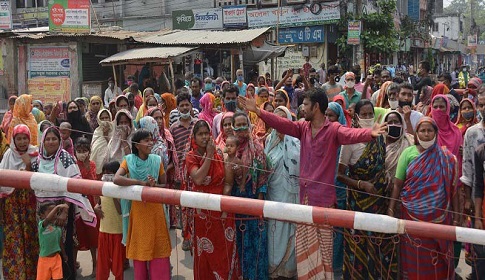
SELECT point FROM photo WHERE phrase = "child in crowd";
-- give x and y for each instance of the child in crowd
(65, 128)
(87, 236)
(48, 109)
(147, 240)
(111, 252)
(232, 164)
(49, 265)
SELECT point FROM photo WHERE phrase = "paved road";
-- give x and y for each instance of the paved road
(182, 262)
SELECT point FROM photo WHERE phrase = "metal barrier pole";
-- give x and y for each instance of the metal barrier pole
(259, 208)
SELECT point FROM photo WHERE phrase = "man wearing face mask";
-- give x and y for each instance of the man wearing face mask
(229, 98)
(350, 94)
(111, 92)
(239, 83)
(208, 85)
(463, 77)
(331, 88)
(405, 102)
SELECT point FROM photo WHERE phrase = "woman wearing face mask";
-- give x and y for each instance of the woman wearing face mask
(467, 116)
(425, 182)
(251, 233)
(397, 140)
(20, 251)
(120, 143)
(450, 135)
(283, 154)
(366, 180)
(79, 124)
(99, 145)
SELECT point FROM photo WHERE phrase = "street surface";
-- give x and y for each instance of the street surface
(182, 263)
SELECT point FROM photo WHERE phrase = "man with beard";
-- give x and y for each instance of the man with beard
(405, 98)
(229, 97)
(319, 140)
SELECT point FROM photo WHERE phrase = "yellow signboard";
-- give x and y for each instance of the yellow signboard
(50, 90)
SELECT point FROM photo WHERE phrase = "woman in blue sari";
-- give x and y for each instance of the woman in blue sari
(335, 113)
(251, 232)
(283, 155)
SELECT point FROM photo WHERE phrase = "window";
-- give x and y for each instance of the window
(31, 3)
(435, 27)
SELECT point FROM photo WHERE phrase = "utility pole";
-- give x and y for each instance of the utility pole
(359, 55)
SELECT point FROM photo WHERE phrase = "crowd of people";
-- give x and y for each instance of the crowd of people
(414, 151)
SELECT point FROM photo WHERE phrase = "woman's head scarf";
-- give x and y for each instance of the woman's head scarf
(38, 115)
(22, 114)
(207, 106)
(221, 139)
(170, 104)
(449, 135)
(159, 147)
(99, 144)
(382, 97)
(91, 115)
(465, 124)
(337, 109)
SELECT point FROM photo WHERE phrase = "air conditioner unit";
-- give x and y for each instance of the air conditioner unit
(296, 1)
(269, 2)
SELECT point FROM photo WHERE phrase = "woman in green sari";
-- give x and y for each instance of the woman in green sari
(367, 255)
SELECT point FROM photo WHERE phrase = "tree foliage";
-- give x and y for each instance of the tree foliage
(378, 33)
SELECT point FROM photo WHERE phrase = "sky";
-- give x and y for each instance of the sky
(446, 3)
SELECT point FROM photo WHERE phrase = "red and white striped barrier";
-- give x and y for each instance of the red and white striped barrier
(259, 208)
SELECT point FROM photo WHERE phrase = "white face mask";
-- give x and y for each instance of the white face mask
(393, 104)
(366, 123)
(350, 84)
(426, 144)
(185, 116)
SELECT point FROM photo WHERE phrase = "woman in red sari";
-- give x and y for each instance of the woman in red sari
(426, 182)
(214, 246)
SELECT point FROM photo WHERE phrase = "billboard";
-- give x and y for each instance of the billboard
(197, 19)
(69, 16)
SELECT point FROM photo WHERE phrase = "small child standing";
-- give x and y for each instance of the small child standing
(87, 236)
(65, 128)
(49, 265)
(233, 164)
(111, 252)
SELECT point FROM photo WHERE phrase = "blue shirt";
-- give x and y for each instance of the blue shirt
(242, 89)
(196, 102)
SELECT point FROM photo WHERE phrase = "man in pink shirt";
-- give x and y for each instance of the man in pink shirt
(319, 140)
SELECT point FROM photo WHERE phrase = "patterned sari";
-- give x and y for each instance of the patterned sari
(214, 248)
(364, 257)
(426, 196)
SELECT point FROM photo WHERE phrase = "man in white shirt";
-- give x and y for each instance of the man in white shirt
(111, 93)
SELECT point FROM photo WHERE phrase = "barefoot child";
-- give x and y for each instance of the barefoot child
(49, 265)
(110, 250)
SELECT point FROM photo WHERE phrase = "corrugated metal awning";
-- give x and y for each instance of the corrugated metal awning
(144, 55)
(206, 37)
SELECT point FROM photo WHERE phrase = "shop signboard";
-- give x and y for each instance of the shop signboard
(353, 33)
(69, 16)
(197, 19)
(472, 40)
(234, 17)
(49, 61)
(5, 15)
(298, 35)
(290, 17)
(50, 90)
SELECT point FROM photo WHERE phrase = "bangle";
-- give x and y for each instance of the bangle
(358, 185)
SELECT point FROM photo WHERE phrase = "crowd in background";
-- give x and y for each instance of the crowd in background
(405, 146)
